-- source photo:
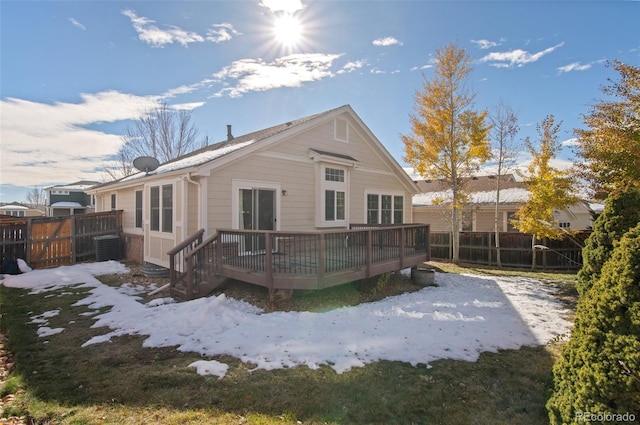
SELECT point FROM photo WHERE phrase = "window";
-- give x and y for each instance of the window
(113, 201)
(467, 221)
(564, 225)
(155, 208)
(161, 208)
(334, 175)
(510, 227)
(385, 209)
(334, 189)
(167, 208)
(334, 205)
(138, 208)
(372, 209)
(398, 209)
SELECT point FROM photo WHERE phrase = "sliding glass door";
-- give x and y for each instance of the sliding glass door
(257, 212)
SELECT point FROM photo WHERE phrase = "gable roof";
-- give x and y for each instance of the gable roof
(480, 189)
(202, 160)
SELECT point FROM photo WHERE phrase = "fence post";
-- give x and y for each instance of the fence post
(73, 236)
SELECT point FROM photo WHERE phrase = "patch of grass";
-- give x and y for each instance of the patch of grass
(58, 381)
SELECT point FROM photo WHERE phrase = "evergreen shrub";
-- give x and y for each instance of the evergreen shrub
(598, 373)
(621, 213)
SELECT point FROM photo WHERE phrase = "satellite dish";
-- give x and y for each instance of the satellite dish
(146, 163)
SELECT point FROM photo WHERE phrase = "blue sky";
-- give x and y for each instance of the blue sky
(73, 74)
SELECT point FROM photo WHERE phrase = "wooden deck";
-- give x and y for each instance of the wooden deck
(294, 260)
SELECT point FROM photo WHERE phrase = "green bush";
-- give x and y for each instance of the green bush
(599, 369)
(621, 213)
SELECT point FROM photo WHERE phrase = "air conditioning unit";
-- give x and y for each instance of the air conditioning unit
(107, 247)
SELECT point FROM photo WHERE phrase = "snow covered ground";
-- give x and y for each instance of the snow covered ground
(459, 319)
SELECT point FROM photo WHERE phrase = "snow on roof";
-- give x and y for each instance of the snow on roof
(507, 196)
(192, 160)
(596, 207)
(80, 186)
(66, 205)
(13, 207)
(462, 317)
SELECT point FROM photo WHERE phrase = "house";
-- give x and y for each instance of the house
(17, 209)
(321, 173)
(478, 215)
(70, 199)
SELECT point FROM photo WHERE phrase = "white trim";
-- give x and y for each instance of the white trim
(336, 134)
(146, 218)
(237, 184)
(380, 193)
(324, 185)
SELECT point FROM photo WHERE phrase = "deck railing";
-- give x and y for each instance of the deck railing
(302, 260)
(179, 281)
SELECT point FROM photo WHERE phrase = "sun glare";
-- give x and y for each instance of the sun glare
(287, 30)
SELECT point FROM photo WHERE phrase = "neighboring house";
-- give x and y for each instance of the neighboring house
(16, 209)
(325, 171)
(478, 215)
(70, 199)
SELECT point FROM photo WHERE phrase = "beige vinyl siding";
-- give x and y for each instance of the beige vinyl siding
(321, 138)
(126, 201)
(484, 220)
(192, 224)
(434, 216)
(297, 178)
(289, 164)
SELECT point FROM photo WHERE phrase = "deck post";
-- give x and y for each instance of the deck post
(321, 259)
(218, 254)
(369, 242)
(190, 277)
(269, 262)
(403, 242)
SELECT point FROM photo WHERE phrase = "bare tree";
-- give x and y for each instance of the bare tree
(163, 133)
(504, 128)
(37, 196)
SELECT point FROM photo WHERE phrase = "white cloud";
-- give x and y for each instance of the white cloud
(50, 143)
(485, 44)
(221, 32)
(417, 68)
(157, 37)
(386, 41)
(187, 106)
(352, 66)
(249, 75)
(287, 6)
(571, 142)
(77, 24)
(577, 66)
(516, 57)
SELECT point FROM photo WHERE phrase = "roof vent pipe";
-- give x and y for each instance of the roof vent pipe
(229, 135)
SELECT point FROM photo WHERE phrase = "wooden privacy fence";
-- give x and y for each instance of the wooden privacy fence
(55, 241)
(515, 249)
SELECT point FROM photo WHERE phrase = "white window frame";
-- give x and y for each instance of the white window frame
(237, 184)
(380, 194)
(160, 186)
(324, 186)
